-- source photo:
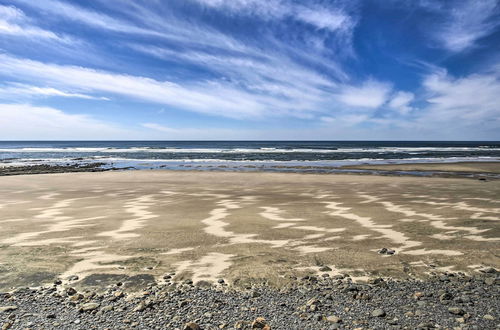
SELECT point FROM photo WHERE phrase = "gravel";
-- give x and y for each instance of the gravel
(449, 300)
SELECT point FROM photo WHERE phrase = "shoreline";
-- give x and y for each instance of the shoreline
(479, 169)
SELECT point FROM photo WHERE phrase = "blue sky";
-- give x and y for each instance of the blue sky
(250, 69)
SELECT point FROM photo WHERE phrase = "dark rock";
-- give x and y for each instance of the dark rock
(488, 270)
(191, 326)
(70, 291)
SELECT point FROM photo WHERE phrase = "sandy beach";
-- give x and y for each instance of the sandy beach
(242, 227)
(215, 250)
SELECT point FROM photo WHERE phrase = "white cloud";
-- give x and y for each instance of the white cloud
(321, 17)
(465, 22)
(401, 102)
(82, 15)
(13, 22)
(14, 90)
(332, 20)
(468, 100)
(24, 121)
(205, 97)
(371, 94)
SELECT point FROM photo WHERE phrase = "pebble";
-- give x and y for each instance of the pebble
(456, 310)
(378, 313)
(191, 326)
(89, 307)
(7, 308)
(333, 319)
(313, 303)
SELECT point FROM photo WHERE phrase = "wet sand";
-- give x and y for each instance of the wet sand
(464, 167)
(243, 227)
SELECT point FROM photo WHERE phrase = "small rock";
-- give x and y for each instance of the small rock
(241, 324)
(333, 319)
(312, 301)
(191, 326)
(89, 307)
(386, 251)
(107, 308)
(51, 316)
(139, 308)
(445, 297)
(456, 310)
(70, 291)
(76, 297)
(254, 294)
(489, 281)
(378, 313)
(7, 308)
(418, 295)
(488, 270)
(6, 326)
(58, 282)
(73, 278)
(325, 269)
(489, 317)
(260, 323)
(220, 281)
(118, 294)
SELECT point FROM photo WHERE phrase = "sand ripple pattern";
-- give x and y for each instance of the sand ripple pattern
(212, 230)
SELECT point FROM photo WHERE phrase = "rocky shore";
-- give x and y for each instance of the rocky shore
(444, 301)
(46, 169)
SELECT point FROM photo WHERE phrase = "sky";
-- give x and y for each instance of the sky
(250, 70)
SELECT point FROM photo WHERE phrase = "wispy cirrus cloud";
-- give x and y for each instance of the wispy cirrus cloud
(13, 91)
(320, 16)
(461, 24)
(207, 97)
(468, 22)
(13, 22)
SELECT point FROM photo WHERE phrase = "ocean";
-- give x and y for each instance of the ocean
(320, 156)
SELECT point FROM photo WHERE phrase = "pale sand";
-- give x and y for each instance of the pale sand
(242, 226)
